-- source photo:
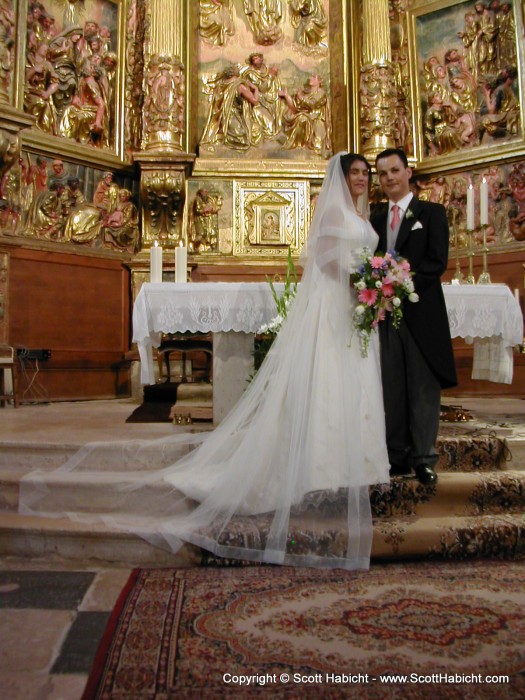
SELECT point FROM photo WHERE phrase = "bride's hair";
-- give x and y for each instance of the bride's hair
(348, 158)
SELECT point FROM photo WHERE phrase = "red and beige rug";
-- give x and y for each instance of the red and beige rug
(428, 630)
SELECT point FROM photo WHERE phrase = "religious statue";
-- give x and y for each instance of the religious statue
(500, 115)
(216, 21)
(506, 36)
(67, 52)
(86, 118)
(204, 235)
(72, 197)
(516, 182)
(464, 101)
(106, 193)
(264, 17)
(121, 227)
(439, 127)
(311, 23)
(264, 115)
(7, 42)
(469, 38)
(46, 213)
(227, 122)
(41, 82)
(307, 121)
(83, 224)
(487, 28)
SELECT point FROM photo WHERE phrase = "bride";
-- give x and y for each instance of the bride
(284, 478)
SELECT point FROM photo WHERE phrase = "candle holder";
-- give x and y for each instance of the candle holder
(458, 275)
(484, 277)
(470, 277)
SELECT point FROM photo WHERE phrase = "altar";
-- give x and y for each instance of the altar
(488, 316)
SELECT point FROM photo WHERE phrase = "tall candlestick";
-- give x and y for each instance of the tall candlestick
(155, 263)
(484, 203)
(181, 263)
(470, 208)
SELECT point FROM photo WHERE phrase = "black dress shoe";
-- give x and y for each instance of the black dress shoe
(425, 474)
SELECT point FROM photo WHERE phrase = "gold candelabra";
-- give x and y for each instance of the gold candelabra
(470, 277)
(458, 276)
(484, 277)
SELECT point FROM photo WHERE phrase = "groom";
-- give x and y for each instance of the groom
(417, 359)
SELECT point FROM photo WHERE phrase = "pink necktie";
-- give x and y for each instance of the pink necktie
(395, 217)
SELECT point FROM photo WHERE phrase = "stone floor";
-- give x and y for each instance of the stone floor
(54, 611)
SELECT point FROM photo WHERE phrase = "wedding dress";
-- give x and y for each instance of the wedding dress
(284, 478)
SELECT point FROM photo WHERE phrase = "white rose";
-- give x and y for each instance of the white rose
(396, 301)
(360, 310)
(360, 285)
(379, 284)
(413, 297)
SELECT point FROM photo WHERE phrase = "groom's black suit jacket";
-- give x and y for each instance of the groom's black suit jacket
(426, 249)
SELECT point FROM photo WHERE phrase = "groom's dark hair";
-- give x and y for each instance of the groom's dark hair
(348, 158)
(394, 152)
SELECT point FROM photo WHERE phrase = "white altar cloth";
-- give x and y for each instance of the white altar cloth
(490, 317)
(487, 315)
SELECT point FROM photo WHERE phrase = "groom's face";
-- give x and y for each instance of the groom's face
(394, 177)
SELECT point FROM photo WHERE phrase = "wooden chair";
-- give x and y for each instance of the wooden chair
(8, 363)
(187, 348)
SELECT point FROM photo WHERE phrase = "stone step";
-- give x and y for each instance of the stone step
(454, 494)
(456, 453)
(462, 537)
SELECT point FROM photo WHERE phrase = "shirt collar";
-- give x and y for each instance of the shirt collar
(402, 204)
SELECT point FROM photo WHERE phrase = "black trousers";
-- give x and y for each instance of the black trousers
(412, 397)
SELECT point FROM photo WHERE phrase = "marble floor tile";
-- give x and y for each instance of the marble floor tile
(105, 589)
(81, 643)
(40, 686)
(31, 640)
(52, 590)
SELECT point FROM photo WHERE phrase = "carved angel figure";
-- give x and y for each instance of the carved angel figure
(310, 22)
(216, 21)
(264, 17)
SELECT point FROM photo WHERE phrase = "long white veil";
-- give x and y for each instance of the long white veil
(284, 478)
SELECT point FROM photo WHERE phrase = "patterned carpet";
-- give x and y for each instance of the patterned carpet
(452, 630)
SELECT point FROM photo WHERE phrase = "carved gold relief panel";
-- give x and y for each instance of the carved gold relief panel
(72, 73)
(264, 77)
(467, 86)
(270, 218)
(54, 201)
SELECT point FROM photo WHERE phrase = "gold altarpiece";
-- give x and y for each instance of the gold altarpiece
(209, 124)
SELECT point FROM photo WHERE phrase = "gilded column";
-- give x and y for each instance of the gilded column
(377, 87)
(163, 159)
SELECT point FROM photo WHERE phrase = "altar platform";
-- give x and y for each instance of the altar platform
(477, 508)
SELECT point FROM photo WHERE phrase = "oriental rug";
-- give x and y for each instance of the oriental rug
(429, 630)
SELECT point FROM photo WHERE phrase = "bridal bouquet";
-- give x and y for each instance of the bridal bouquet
(382, 282)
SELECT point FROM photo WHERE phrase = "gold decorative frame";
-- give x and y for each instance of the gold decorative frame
(288, 203)
(439, 23)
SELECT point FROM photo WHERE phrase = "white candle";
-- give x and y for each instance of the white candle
(155, 263)
(517, 295)
(470, 208)
(484, 203)
(181, 263)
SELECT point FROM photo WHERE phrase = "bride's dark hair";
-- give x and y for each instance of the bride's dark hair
(348, 158)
